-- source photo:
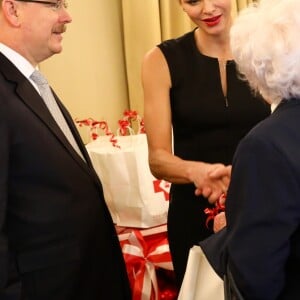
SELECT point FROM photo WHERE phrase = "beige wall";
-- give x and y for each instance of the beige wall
(89, 76)
(89, 79)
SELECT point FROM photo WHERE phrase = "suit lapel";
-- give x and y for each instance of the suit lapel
(35, 103)
(74, 131)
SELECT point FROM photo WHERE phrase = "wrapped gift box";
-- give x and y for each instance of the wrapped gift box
(148, 262)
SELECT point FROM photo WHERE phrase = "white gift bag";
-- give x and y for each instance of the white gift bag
(200, 281)
(134, 196)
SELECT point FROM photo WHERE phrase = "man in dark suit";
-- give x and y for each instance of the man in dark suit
(57, 238)
(259, 250)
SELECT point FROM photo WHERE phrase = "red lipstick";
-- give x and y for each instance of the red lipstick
(212, 21)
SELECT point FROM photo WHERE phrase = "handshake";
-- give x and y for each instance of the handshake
(213, 184)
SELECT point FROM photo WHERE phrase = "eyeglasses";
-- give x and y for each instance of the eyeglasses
(57, 5)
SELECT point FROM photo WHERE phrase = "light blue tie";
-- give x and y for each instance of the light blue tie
(53, 107)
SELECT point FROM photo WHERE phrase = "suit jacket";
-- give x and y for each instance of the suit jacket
(261, 244)
(52, 210)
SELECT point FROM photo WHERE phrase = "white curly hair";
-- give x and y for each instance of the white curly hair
(265, 45)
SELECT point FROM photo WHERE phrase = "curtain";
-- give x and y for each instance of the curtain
(240, 4)
(146, 24)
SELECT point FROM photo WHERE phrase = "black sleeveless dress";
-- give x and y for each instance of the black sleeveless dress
(207, 126)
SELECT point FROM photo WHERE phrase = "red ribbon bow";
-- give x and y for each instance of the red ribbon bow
(125, 123)
(212, 212)
(130, 114)
(141, 261)
(124, 126)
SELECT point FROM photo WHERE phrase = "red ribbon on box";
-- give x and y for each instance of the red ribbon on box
(141, 261)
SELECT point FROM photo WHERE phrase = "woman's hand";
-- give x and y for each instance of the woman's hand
(212, 181)
(223, 172)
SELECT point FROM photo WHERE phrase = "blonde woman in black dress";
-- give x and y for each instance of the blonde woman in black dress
(192, 90)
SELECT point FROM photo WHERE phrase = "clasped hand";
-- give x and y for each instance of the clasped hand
(212, 181)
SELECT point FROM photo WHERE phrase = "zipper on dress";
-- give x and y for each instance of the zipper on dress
(226, 102)
(223, 69)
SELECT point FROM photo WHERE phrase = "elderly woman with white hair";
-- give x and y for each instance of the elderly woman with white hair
(260, 246)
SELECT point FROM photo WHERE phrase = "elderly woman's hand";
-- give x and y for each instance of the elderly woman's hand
(219, 221)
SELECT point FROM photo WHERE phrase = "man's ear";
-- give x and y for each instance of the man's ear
(10, 12)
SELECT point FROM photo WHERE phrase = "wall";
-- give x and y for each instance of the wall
(89, 75)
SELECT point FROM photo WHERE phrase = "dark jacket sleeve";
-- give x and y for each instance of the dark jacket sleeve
(262, 216)
(4, 161)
